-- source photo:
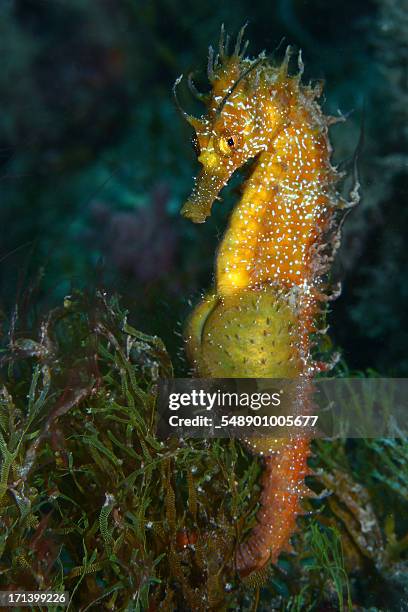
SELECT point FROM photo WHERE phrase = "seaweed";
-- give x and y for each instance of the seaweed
(92, 502)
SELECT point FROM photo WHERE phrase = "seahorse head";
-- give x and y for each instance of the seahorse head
(247, 107)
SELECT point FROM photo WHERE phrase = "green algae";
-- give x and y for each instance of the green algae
(92, 502)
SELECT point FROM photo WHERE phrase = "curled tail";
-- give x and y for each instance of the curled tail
(283, 489)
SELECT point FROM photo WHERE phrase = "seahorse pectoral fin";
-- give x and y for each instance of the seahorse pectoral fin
(206, 190)
(195, 328)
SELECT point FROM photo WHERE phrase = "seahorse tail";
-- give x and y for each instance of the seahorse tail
(283, 490)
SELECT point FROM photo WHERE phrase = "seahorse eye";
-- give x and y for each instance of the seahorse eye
(228, 143)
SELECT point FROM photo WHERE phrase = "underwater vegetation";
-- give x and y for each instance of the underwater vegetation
(93, 503)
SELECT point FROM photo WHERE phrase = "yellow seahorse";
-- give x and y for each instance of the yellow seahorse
(267, 301)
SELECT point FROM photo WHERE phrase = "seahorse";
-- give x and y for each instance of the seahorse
(265, 311)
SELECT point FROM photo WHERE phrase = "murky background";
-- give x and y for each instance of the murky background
(96, 161)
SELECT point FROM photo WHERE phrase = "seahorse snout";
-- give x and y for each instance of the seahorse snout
(206, 190)
(191, 210)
